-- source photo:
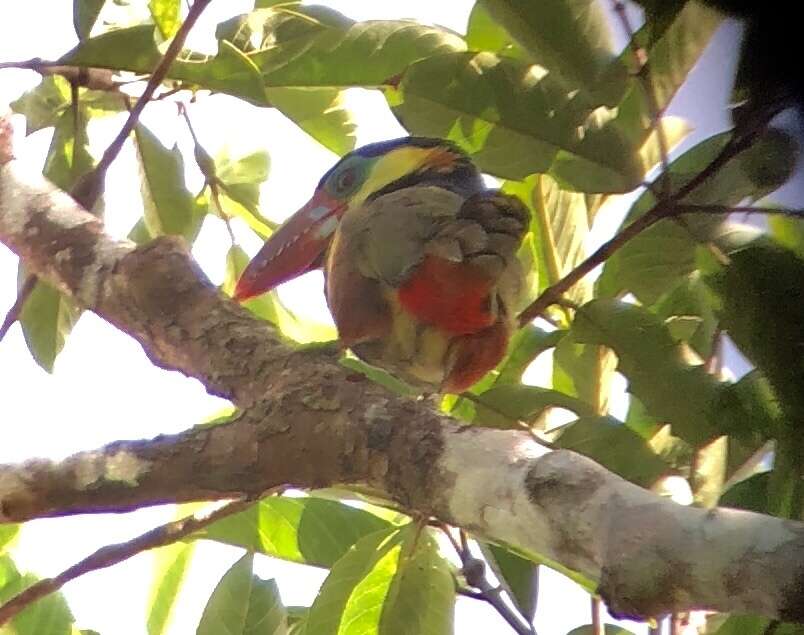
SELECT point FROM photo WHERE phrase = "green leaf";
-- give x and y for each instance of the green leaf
(170, 209)
(673, 47)
(380, 376)
(244, 604)
(320, 112)
(85, 14)
(763, 312)
(46, 319)
(483, 33)
(653, 363)
(393, 582)
(135, 49)
(240, 180)
(516, 120)
(47, 316)
(44, 104)
(49, 615)
(583, 371)
(526, 345)
(316, 47)
(8, 532)
(308, 530)
(171, 563)
(660, 258)
(570, 37)
(615, 446)
(788, 232)
(166, 15)
(504, 405)
(756, 625)
(694, 301)
(751, 494)
(519, 577)
(268, 306)
(608, 629)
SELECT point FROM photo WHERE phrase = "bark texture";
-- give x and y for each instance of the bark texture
(306, 421)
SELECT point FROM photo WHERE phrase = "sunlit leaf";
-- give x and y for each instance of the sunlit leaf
(315, 47)
(652, 361)
(483, 33)
(170, 567)
(48, 316)
(166, 15)
(615, 446)
(661, 257)
(393, 582)
(44, 104)
(269, 307)
(49, 615)
(571, 37)
(788, 232)
(8, 532)
(516, 120)
(526, 344)
(673, 50)
(244, 604)
(756, 625)
(170, 209)
(240, 179)
(320, 112)
(505, 405)
(307, 530)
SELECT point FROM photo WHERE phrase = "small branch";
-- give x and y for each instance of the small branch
(689, 208)
(474, 570)
(552, 295)
(206, 164)
(115, 554)
(597, 623)
(643, 64)
(153, 83)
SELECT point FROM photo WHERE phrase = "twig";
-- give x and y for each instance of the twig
(689, 208)
(597, 624)
(672, 206)
(644, 73)
(156, 79)
(474, 570)
(207, 166)
(114, 554)
(552, 294)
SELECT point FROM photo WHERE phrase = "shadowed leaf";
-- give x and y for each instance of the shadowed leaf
(244, 604)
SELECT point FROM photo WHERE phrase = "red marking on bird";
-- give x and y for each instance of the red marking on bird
(450, 295)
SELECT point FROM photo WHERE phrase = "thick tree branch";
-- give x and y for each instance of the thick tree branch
(305, 420)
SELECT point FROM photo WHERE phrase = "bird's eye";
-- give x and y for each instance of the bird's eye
(345, 181)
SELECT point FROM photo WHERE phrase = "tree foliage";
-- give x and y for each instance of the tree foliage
(541, 98)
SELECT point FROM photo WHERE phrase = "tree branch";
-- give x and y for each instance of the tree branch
(306, 421)
(115, 554)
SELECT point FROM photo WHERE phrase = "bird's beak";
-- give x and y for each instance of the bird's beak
(292, 249)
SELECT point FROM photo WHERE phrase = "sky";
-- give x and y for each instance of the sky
(104, 388)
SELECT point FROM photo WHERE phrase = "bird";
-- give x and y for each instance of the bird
(420, 260)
